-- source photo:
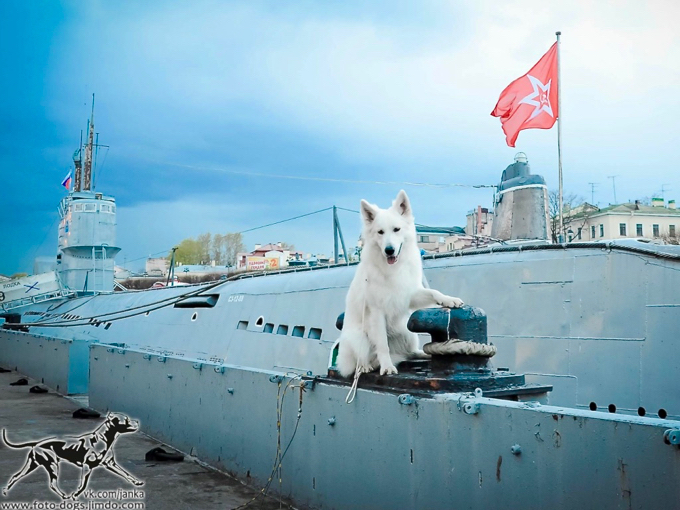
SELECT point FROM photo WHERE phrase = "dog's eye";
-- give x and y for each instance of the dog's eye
(381, 232)
(397, 229)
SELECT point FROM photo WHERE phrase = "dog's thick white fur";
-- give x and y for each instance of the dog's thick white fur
(387, 288)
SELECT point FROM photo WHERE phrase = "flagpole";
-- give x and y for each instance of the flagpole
(560, 230)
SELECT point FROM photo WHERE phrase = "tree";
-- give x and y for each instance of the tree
(189, 251)
(223, 249)
(217, 249)
(232, 245)
(205, 241)
(671, 239)
(569, 202)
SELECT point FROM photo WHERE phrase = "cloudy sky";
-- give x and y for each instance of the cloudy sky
(208, 105)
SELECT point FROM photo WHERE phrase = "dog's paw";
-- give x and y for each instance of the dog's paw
(388, 370)
(364, 369)
(420, 354)
(451, 302)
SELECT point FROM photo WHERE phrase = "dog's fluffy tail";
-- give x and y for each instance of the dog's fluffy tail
(22, 445)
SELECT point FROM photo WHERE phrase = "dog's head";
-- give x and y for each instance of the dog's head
(122, 423)
(389, 228)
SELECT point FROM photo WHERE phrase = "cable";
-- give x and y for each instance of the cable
(283, 221)
(252, 229)
(330, 179)
(149, 307)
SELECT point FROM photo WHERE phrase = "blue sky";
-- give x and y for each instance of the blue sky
(190, 93)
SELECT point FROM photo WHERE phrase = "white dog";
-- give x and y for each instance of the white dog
(387, 288)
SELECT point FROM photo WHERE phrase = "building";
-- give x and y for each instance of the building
(632, 220)
(157, 266)
(267, 257)
(479, 222)
(446, 239)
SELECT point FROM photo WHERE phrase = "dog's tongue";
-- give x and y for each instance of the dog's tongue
(391, 259)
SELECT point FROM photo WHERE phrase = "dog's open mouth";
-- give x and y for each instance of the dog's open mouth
(391, 259)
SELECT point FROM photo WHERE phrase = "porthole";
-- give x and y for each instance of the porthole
(259, 321)
(593, 406)
(662, 414)
(147, 314)
(194, 316)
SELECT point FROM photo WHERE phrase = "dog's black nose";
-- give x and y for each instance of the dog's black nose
(389, 251)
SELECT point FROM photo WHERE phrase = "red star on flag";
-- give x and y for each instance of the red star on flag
(530, 102)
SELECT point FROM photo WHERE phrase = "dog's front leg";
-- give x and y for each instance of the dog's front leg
(112, 466)
(376, 330)
(53, 473)
(84, 477)
(427, 298)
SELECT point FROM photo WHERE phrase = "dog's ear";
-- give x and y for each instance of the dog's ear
(368, 211)
(402, 204)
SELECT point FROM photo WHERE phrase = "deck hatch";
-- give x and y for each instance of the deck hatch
(202, 301)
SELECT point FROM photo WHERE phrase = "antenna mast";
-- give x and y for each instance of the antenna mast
(87, 177)
(613, 178)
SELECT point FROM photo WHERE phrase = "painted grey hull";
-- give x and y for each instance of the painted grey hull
(201, 367)
(598, 322)
(379, 453)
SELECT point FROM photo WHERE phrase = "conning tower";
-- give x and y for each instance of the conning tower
(520, 204)
(87, 229)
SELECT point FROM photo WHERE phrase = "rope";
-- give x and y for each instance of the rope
(459, 347)
(353, 390)
(280, 453)
(357, 372)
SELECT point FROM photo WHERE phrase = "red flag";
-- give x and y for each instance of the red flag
(530, 102)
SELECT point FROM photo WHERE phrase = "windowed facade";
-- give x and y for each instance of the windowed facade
(622, 229)
(655, 230)
(638, 230)
(601, 230)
